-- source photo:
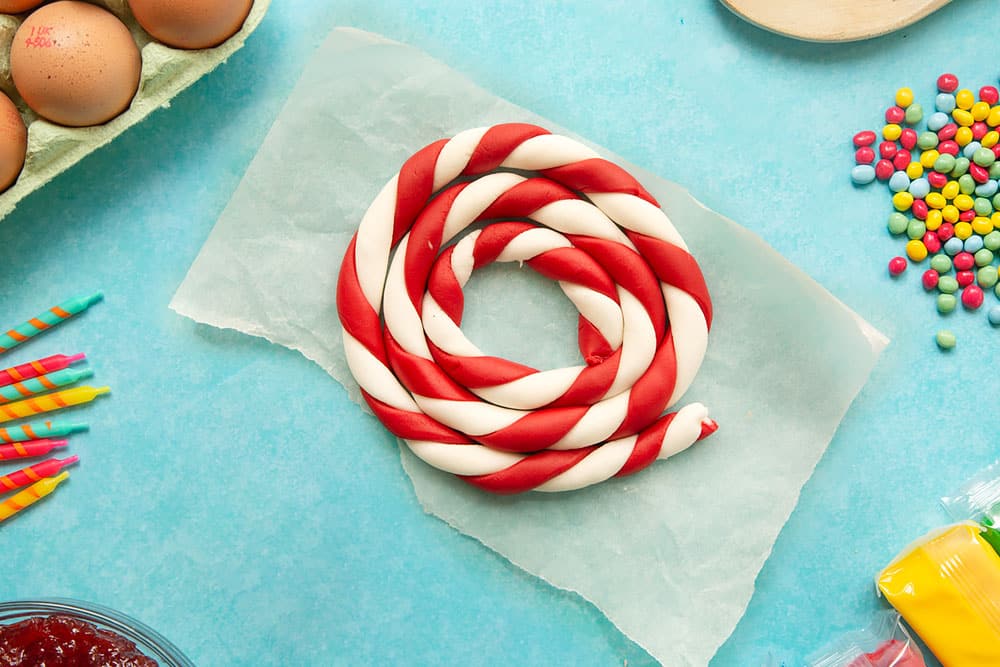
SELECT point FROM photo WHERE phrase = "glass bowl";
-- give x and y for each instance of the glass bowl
(150, 642)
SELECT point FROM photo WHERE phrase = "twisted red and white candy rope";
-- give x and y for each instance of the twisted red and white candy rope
(572, 216)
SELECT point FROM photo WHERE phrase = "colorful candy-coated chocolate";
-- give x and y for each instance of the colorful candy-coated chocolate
(961, 166)
(990, 139)
(993, 119)
(45, 321)
(895, 114)
(945, 231)
(994, 315)
(865, 155)
(964, 261)
(898, 223)
(965, 98)
(902, 201)
(963, 202)
(937, 180)
(947, 83)
(948, 147)
(970, 149)
(887, 150)
(945, 339)
(965, 278)
(915, 229)
(987, 189)
(983, 257)
(919, 187)
(916, 250)
(899, 181)
(987, 277)
(982, 206)
(972, 297)
(907, 138)
(927, 159)
(931, 242)
(963, 118)
(883, 170)
(982, 225)
(941, 263)
(973, 244)
(863, 174)
(947, 131)
(919, 208)
(43, 383)
(864, 138)
(979, 130)
(23, 499)
(989, 94)
(992, 241)
(994, 170)
(39, 430)
(950, 214)
(979, 175)
(936, 121)
(50, 402)
(892, 131)
(967, 216)
(929, 279)
(966, 185)
(915, 113)
(32, 369)
(996, 291)
(904, 97)
(901, 160)
(34, 473)
(896, 266)
(996, 150)
(933, 199)
(927, 140)
(934, 220)
(945, 303)
(29, 449)
(944, 102)
(963, 136)
(947, 285)
(963, 230)
(943, 165)
(984, 157)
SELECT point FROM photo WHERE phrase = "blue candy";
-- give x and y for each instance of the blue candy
(863, 174)
(945, 102)
(920, 188)
(987, 189)
(971, 148)
(973, 244)
(937, 120)
(994, 315)
(898, 182)
(953, 246)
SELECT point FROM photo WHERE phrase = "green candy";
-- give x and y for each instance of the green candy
(996, 290)
(961, 167)
(945, 339)
(898, 223)
(992, 240)
(947, 285)
(927, 140)
(987, 277)
(915, 114)
(995, 170)
(944, 164)
(916, 229)
(966, 184)
(983, 206)
(942, 264)
(946, 303)
(984, 157)
(983, 257)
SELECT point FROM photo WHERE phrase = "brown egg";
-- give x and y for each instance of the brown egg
(13, 142)
(17, 6)
(75, 63)
(191, 24)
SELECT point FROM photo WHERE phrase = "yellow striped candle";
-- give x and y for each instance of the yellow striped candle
(48, 402)
(31, 495)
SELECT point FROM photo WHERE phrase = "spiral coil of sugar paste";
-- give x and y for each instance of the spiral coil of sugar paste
(572, 216)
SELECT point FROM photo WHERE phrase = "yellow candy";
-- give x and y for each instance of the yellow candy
(994, 118)
(903, 201)
(990, 139)
(950, 213)
(963, 202)
(927, 159)
(963, 136)
(946, 586)
(962, 117)
(916, 250)
(964, 99)
(891, 132)
(995, 219)
(915, 169)
(980, 110)
(934, 220)
(904, 97)
(951, 190)
(981, 225)
(963, 230)
(935, 200)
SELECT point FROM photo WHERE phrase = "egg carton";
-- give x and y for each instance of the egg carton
(166, 71)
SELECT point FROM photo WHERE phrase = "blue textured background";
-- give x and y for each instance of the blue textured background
(222, 497)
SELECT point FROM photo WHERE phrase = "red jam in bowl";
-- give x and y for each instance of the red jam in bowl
(62, 641)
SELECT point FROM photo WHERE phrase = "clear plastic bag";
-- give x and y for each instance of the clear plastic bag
(885, 643)
(979, 500)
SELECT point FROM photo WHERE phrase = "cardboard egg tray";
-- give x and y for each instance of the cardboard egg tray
(166, 71)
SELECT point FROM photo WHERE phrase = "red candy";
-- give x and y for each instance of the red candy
(919, 210)
(989, 94)
(902, 159)
(945, 231)
(948, 131)
(947, 83)
(972, 297)
(895, 114)
(964, 261)
(864, 138)
(929, 279)
(864, 155)
(965, 278)
(884, 169)
(996, 151)
(948, 146)
(937, 180)
(967, 216)
(931, 242)
(979, 175)
(979, 130)
(888, 149)
(908, 138)
(896, 266)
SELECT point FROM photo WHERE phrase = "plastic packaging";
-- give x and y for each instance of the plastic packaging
(885, 643)
(979, 500)
(947, 587)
